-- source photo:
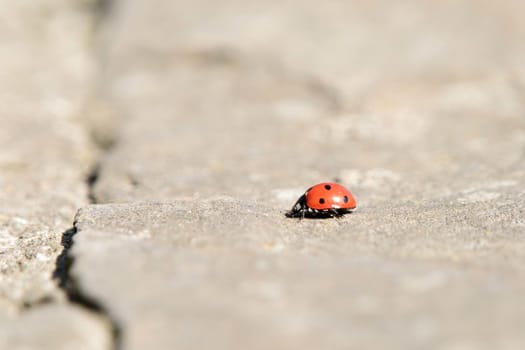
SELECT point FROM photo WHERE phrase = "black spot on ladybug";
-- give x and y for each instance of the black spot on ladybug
(345, 199)
(328, 187)
(321, 200)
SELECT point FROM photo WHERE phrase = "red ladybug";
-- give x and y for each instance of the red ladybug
(324, 200)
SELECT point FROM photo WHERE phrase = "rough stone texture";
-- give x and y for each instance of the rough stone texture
(45, 76)
(44, 154)
(231, 110)
(223, 274)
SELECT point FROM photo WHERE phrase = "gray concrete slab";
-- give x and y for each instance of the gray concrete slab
(225, 274)
(46, 76)
(214, 119)
(45, 154)
(232, 110)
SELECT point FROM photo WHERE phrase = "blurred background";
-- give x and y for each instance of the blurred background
(255, 96)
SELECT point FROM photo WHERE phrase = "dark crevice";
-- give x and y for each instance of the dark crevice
(91, 179)
(65, 262)
(68, 283)
(103, 7)
(100, 10)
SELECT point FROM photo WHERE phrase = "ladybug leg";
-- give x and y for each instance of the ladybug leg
(335, 213)
(340, 212)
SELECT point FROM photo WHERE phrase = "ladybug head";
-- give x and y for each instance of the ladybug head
(299, 208)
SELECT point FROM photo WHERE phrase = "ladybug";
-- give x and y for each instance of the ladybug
(324, 200)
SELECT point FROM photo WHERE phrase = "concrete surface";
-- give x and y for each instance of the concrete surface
(224, 273)
(212, 119)
(46, 73)
(44, 153)
(55, 327)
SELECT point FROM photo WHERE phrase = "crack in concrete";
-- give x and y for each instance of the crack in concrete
(91, 180)
(68, 283)
(65, 261)
(66, 280)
